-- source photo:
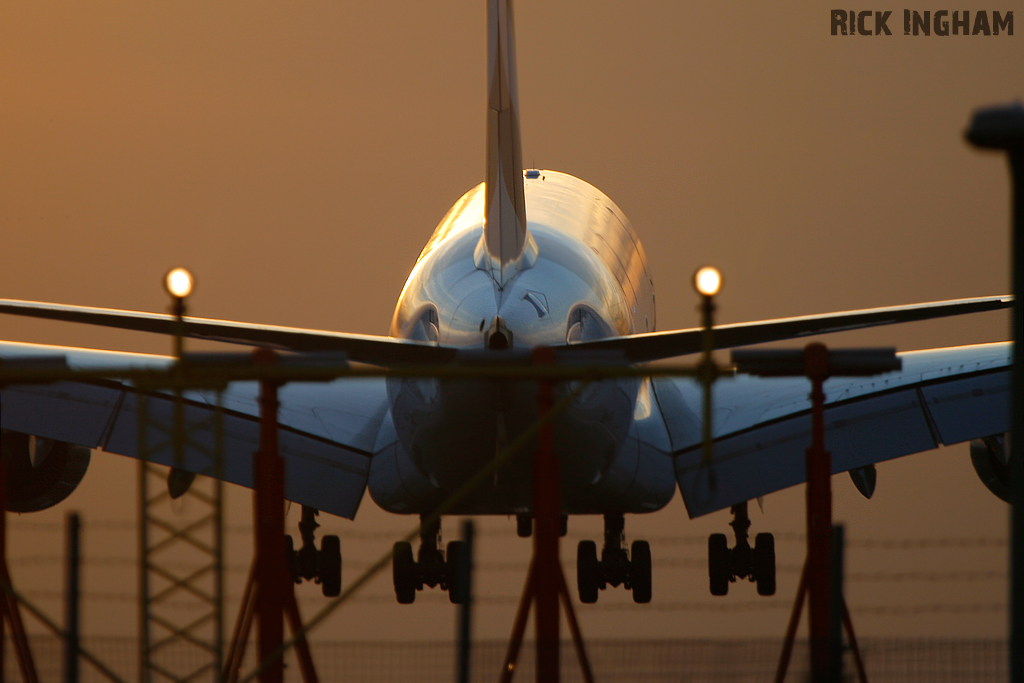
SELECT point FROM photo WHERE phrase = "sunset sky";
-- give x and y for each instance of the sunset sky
(297, 156)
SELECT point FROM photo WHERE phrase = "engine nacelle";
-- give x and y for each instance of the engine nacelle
(991, 462)
(40, 472)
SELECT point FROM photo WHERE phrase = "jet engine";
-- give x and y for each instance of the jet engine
(40, 472)
(991, 462)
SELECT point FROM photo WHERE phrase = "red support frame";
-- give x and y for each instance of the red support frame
(545, 582)
(547, 514)
(269, 594)
(271, 574)
(816, 578)
(819, 516)
(10, 613)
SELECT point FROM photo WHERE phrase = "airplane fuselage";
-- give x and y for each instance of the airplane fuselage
(584, 277)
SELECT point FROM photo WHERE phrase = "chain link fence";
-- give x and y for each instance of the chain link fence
(888, 660)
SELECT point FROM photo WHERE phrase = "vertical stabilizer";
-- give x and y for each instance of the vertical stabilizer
(506, 247)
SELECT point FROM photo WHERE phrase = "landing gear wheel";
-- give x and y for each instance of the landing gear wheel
(718, 564)
(330, 566)
(640, 571)
(451, 561)
(403, 568)
(764, 564)
(587, 571)
(524, 526)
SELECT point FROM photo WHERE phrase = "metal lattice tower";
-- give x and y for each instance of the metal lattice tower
(181, 564)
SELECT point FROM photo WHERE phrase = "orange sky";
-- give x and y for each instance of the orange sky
(297, 156)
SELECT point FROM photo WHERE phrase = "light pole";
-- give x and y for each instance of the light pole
(179, 283)
(708, 282)
(1002, 128)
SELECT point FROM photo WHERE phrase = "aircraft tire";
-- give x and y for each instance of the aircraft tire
(764, 564)
(718, 564)
(330, 566)
(587, 571)
(640, 571)
(524, 526)
(403, 568)
(451, 561)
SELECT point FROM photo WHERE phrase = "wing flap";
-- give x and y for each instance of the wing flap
(86, 411)
(762, 425)
(969, 408)
(771, 458)
(327, 455)
(318, 473)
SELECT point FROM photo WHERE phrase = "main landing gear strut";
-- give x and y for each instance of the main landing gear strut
(322, 566)
(632, 570)
(726, 564)
(433, 568)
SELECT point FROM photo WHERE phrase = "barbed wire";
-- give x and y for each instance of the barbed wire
(929, 543)
(676, 539)
(716, 605)
(930, 577)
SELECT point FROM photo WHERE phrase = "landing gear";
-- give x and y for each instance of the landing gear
(433, 568)
(640, 571)
(322, 566)
(404, 569)
(330, 566)
(718, 564)
(726, 565)
(451, 564)
(524, 525)
(630, 569)
(589, 578)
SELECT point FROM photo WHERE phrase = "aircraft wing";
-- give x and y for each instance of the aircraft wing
(361, 348)
(387, 351)
(639, 348)
(762, 426)
(326, 435)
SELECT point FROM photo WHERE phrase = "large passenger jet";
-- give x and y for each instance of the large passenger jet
(528, 257)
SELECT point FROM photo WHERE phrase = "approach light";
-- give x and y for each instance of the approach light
(179, 282)
(707, 281)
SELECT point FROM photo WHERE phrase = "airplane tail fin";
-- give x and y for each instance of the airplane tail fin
(506, 246)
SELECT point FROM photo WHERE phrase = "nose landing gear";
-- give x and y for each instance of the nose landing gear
(524, 525)
(726, 565)
(322, 566)
(616, 567)
(432, 568)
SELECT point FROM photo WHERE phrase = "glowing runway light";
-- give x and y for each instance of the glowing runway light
(707, 281)
(179, 282)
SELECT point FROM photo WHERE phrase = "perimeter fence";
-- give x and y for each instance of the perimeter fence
(888, 660)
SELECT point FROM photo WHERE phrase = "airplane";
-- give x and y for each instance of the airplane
(528, 257)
